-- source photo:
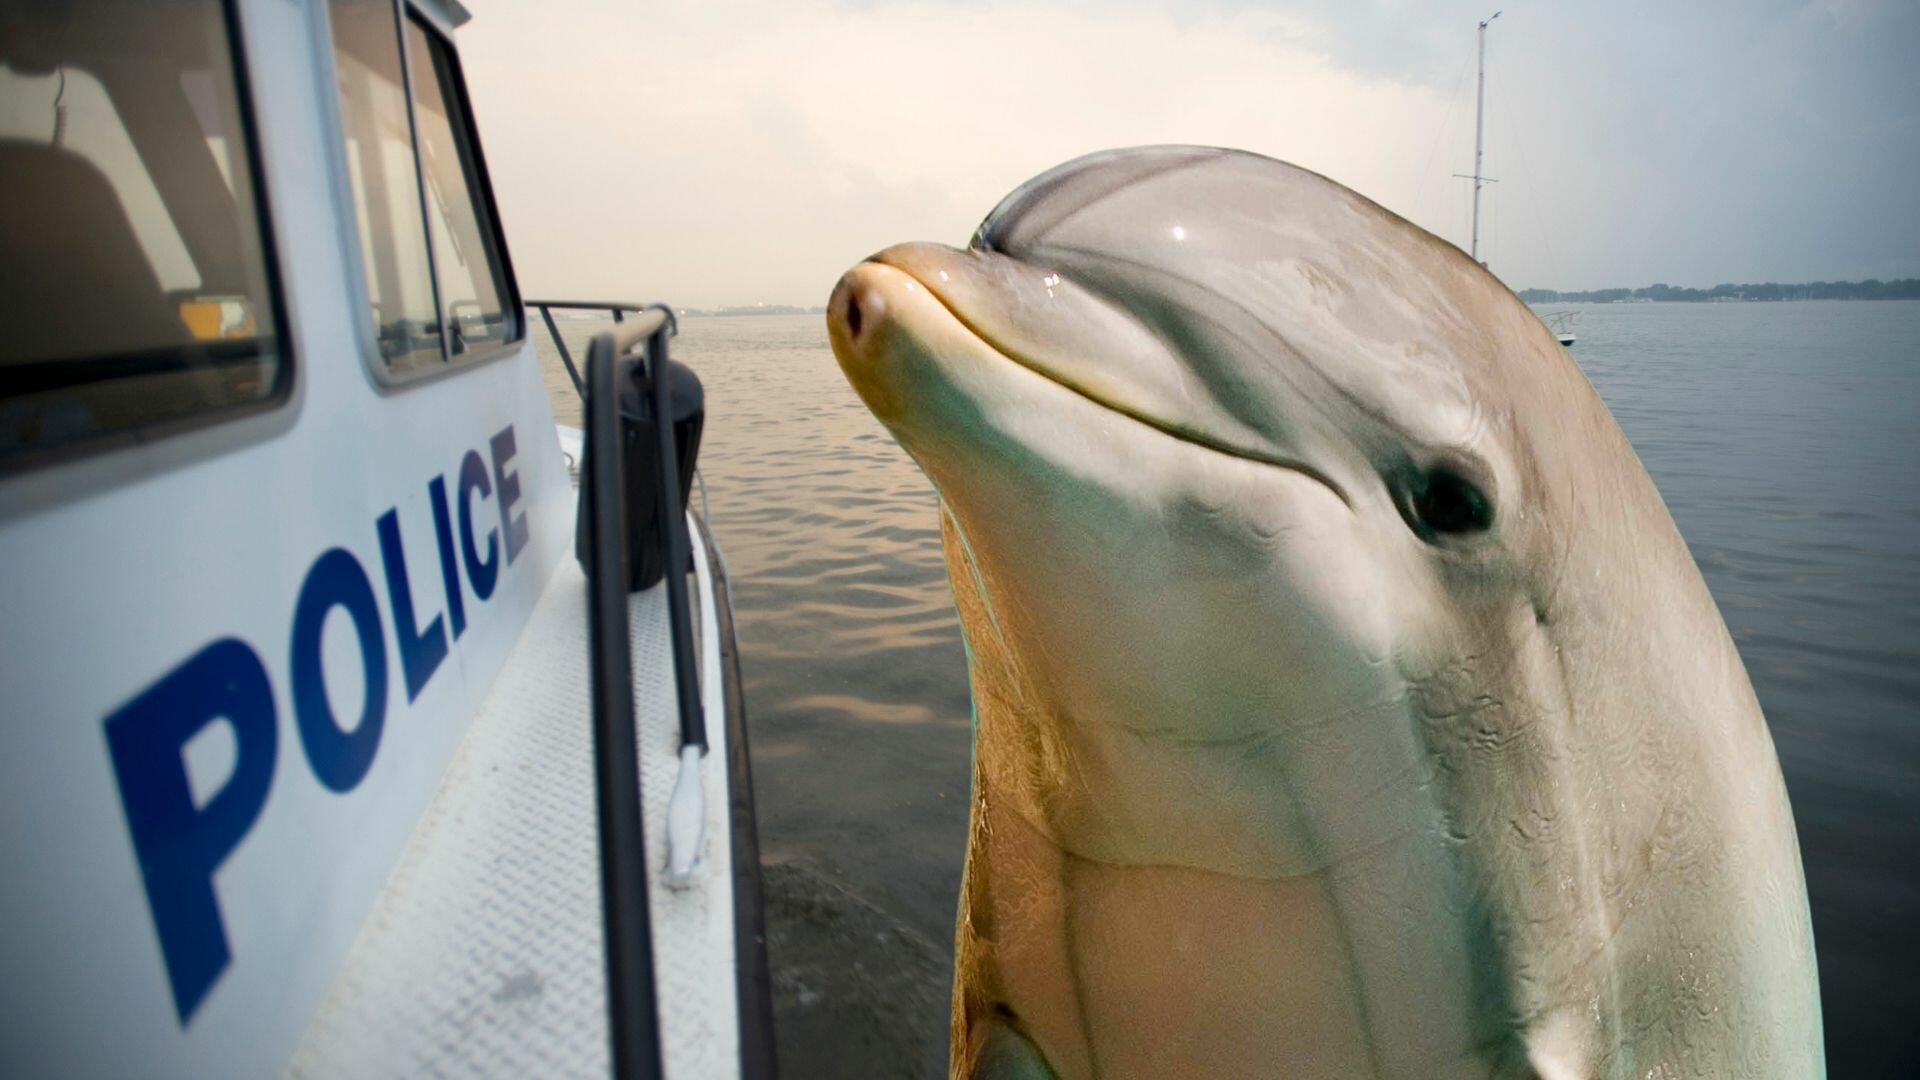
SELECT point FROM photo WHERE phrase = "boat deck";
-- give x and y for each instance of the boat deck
(483, 956)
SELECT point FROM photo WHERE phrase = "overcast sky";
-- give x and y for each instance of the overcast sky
(714, 153)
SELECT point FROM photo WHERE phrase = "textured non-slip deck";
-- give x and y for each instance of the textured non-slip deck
(483, 956)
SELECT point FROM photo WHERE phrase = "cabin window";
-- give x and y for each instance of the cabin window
(138, 294)
(436, 285)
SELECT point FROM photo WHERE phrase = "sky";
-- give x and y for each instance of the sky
(721, 153)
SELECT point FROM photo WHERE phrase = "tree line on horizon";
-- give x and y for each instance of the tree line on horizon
(1871, 289)
(751, 309)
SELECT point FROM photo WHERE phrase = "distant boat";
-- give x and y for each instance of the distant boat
(1560, 323)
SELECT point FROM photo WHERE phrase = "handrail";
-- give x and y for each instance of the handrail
(633, 1017)
(653, 323)
(625, 337)
(632, 1014)
(587, 305)
(631, 332)
(673, 519)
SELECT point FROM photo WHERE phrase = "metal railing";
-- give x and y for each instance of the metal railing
(632, 1012)
(633, 1016)
(618, 309)
(632, 1008)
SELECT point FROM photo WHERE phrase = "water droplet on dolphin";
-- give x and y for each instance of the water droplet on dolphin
(1179, 232)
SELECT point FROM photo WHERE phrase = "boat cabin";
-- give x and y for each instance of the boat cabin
(314, 668)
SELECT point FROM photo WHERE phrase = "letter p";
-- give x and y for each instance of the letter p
(179, 845)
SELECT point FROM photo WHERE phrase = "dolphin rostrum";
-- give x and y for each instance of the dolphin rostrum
(1346, 702)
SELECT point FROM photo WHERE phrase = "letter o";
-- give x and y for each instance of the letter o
(339, 758)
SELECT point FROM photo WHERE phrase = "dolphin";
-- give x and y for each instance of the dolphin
(1346, 702)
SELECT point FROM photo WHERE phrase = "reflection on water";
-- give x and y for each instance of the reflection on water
(1783, 437)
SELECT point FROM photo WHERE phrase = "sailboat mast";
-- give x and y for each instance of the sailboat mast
(1479, 133)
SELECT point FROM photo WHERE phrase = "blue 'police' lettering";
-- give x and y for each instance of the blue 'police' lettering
(480, 572)
(449, 570)
(420, 650)
(513, 527)
(338, 758)
(179, 846)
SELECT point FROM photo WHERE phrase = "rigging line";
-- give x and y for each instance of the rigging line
(1462, 214)
(1439, 140)
(1532, 185)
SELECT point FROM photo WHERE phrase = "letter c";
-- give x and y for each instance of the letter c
(482, 573)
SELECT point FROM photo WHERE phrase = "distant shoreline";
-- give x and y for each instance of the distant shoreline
(756, 309)
(599, 314)
(1767, 292)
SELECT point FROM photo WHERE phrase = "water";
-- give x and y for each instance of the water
(1784, 437)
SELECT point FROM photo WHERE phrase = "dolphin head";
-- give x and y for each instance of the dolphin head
(1288, 545)
(1208, 480)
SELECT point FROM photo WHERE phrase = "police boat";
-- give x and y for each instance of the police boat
(359, 719)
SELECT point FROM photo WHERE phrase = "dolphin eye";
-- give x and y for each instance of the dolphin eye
(1442, 502)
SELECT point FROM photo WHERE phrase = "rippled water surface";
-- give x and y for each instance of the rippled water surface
(1784, 437)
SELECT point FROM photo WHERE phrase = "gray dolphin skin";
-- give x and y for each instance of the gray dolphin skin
(1346, 702)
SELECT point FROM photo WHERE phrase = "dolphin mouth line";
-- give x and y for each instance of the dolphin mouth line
(1178, 435)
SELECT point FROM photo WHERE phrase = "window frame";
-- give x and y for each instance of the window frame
(286, 371)
(366, 334)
